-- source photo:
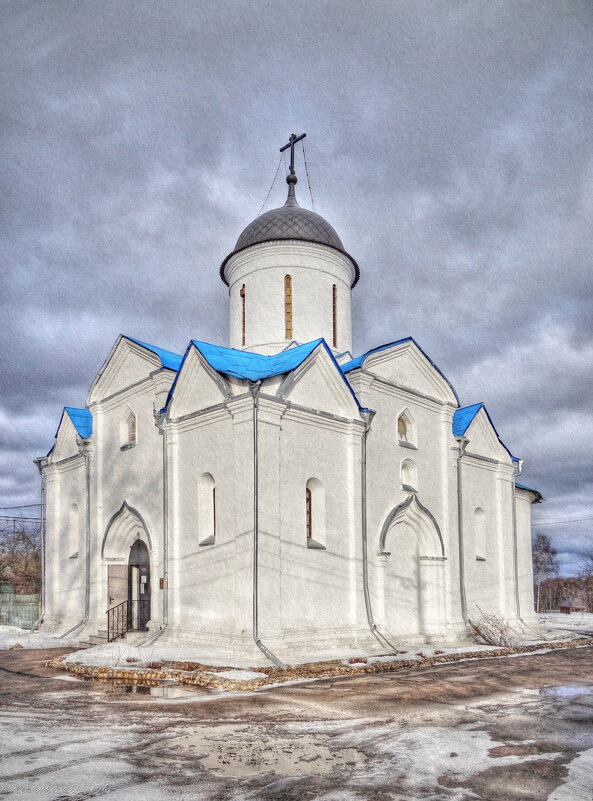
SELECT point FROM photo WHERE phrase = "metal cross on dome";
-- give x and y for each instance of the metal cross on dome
(292, 140)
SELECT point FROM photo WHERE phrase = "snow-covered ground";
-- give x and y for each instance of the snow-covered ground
(238, 675)
(12, 635)
(575, 621)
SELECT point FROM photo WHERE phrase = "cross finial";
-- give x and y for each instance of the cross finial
(291, 178)
(292, 140)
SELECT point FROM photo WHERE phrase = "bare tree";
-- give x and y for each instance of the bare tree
(586, 576)
(545, 564)
(20, 555)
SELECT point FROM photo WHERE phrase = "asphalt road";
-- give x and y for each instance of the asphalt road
(500, 729)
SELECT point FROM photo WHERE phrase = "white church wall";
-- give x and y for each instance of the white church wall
(202, 529)
(131, 473)
(314, 269)
(127, 364)
(485, 538)
(319, 585)
(427, 457)
(524, 499)
(65, 541)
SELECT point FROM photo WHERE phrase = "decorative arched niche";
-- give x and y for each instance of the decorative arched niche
(480, 533)
(406, 430)
(430, 539)
(125, 527)
(409, 476)
(128, 429)
(73, 539)
(411, 574)
(206, 509)
(315, 514)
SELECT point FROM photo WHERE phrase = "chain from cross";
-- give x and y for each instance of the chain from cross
(292, 140)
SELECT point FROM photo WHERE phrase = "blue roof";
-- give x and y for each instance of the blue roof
(254, 366)
(357, 362)
(463, 418)
(82, 419)
(170, 360)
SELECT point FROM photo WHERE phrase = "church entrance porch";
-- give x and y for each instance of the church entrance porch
(128, 574)
(129, 593)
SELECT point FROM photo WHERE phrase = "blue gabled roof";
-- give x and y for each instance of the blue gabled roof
(170, 360)
(250, 366)
(254, 366)
(357, 362)
(82, 420)
(462, 419)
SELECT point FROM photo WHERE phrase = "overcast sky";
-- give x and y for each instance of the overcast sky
(448, 142)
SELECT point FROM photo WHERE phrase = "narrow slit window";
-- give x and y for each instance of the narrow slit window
(309, 505)
(287, 307)
(335, 315)
(132, 428)
(214, 512)
(206, 509)
(242, 293)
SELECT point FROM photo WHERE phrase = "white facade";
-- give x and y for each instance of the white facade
(281, 505)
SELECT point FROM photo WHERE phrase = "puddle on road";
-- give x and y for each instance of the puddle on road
(160, 691)
(165, 688)
(567, 690)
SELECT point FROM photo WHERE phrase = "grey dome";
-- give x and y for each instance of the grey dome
(289, 222)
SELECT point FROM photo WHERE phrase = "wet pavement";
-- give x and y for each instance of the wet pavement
(501, 729)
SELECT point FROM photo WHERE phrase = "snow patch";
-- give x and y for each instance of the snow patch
(577, 786)
(12, 635)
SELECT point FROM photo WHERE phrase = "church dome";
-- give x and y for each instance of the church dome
(290, 221)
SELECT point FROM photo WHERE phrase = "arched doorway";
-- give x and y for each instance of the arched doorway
(412, 571)
(126, 551)
(139, 586)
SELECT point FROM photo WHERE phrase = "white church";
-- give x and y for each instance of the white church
(281, 499)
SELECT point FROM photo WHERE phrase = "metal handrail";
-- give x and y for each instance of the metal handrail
(127, 616)
(118, 620)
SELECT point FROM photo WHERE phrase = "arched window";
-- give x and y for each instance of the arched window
(242, 293)
(480, 533)
(287, 307)
(409, 475)
(406, 430)
(315, 513)
(309, 512)
(128, 429)
(73, 532)
(206, 509)
(132, 428)
(335, 315)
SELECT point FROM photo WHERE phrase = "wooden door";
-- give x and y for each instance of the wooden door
(117, 585)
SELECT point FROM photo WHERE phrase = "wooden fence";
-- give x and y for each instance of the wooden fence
(18, 610)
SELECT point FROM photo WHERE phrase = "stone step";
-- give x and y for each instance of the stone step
(85, 644)
(98, 639)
